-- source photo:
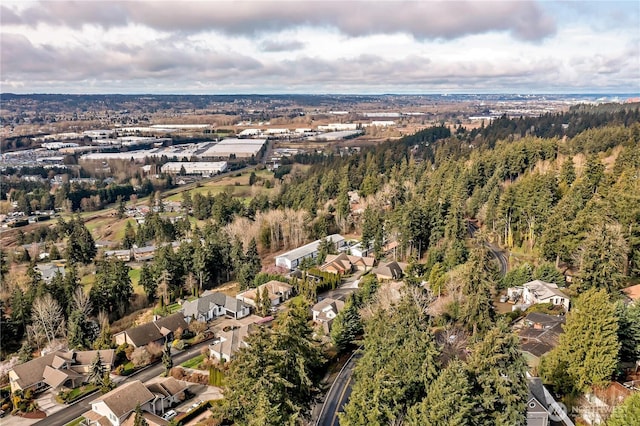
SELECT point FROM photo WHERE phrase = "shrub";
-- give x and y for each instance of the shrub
(141, 357)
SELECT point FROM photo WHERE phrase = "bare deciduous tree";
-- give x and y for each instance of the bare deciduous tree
(48, 320)
(81, 301)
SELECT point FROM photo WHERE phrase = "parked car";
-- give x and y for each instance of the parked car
(169, 415)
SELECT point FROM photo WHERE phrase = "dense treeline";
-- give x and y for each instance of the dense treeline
(541, 194)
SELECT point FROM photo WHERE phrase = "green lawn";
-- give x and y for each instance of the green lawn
(75, 422)
(239, 184)
(193, 362)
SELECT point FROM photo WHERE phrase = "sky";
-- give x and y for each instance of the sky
(308, 46)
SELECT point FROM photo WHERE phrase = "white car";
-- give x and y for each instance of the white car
(169, 415)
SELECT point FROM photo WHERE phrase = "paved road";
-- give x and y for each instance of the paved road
(338, 394)
(66, 415)
(495, 251)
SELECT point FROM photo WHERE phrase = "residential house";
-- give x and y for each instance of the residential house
(293, 258)
(49, 270)
(542, 407)
(225, 346)
(536, 292)
(124, 255)
(360, 250)
(596, 406)
(143, 254)
(390, 271)
(539, 333)
(344, 264)
(168, 392)
(277, 290)
(212, 305)
(325, 311)
(57, 369)
(117, 405)
(151, 419)
(157, 331)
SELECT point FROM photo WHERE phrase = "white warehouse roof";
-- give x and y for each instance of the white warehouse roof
(242, 148)
(195, 168)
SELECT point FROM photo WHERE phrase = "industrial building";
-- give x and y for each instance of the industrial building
(240, 148)
(204, 168)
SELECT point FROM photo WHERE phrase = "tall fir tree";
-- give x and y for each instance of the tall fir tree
(587, 353)
(498, 376)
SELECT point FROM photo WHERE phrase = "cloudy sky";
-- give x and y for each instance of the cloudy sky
(264, 46)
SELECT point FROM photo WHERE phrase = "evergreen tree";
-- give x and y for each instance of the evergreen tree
(588, 348)
(167, 361)
(568, 172)
(149, 282)
(129, 238)
(112, 290)
(477, 310)
(81, 247)
(265, 302)
(77, 330)
(346, 326)
(498, 376)
(602, 258)
(96, 371)
(448, 402)
(627, 413)
(399, 357)
(139, 419)
(104, 338)
(121, 206)
(629, 331)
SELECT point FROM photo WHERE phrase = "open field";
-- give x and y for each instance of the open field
(236, 185)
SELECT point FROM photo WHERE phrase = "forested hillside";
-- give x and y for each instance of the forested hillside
(560, 194)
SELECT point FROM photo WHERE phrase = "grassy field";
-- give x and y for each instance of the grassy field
(238, 185)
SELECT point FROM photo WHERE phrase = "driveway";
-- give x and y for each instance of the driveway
(68, 413)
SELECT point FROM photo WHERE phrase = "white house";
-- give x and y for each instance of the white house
(212, 305)
(118, 404)
(325, 311)
(292, 259)
(537, 291)
(229, 342)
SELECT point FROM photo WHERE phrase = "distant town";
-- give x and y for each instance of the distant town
(319, 260)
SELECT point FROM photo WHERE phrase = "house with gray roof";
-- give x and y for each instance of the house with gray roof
(229, 342)
(542, 407)
(539, 333)
(49, 270)
(213, 304)
(325, 311)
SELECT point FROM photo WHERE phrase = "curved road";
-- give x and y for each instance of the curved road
(338, 394)
(495, 251)
(340, 390)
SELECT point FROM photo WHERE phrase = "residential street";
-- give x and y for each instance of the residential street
(338, 394)
(66, 415)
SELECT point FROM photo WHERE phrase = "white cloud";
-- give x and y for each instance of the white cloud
(316, 47)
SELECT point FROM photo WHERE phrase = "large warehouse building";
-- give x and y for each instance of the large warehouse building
(204, 168)
(241, 148)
